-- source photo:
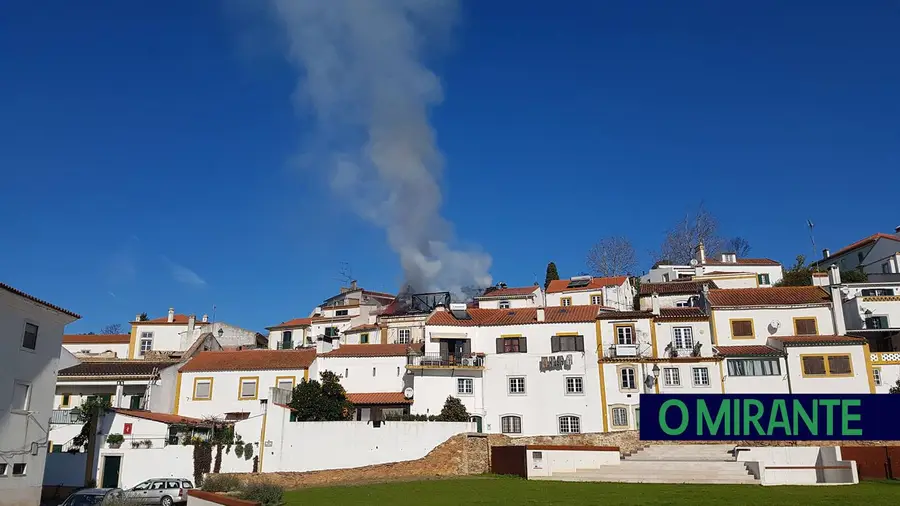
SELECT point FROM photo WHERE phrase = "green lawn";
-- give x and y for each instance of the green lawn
(514, 491)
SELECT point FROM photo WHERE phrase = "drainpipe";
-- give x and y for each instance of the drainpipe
(787, 370)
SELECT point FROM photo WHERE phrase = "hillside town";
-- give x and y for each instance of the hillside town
(571, 357)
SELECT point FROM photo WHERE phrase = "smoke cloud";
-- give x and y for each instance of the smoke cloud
(362, 76)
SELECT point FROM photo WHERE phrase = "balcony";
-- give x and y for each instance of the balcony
(439, 360)
(625, 350)
(64, 417)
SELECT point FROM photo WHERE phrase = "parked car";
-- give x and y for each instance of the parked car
(93, 497)
(162, 491)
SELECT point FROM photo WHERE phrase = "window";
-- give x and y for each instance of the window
(754, 367)
(877, 292)
(504, 304)
(569, 425)
(566, 343)
(66, 400)
(762, 279)
(404, 336)
(285, 382)
(465, 386)
(860, 257)
(826, 365)
(331, 332)
(19, 469)
(597, 299)
(203, 389)
(620, 417)
(565, 301)
(398, 371)
(3, 468)
(683, 338)
(364, 338)
(29, 339)
(287, 340)
(341, 312)
(146, 342)
(346, 373)
(701, 377)
(517, 385)
(877, 322)
(624, 334)
(56, 448)
(20, 398)
(671, 377)
(511, 424)
(512, 345)
(574, 385)
(885, 268)
(626, 378)
(249, 388)
(805, 327)
(143, 486)
(742, 329)
(876, 374)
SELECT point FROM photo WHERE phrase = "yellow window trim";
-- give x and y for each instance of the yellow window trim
(627, 410)
(561, 299)
(815, 324)
(292, 378)
(591, 298)
(752, 328)
(617, 326)
(241, 380)
(828, 373)
(63, 403)
(619, 369)
(202, 379)
(567, 334)
(504, 336)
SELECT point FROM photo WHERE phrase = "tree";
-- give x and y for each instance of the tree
(682, 240)
(321, 402)
(552, 274)
(90, 411)
(854, 276)
(798, 275)
(896, 388)
(611, 256)
(143, 317)
(453, 411)
(739, 246)
(112, 328)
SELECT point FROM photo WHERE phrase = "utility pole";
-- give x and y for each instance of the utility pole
(90, 465)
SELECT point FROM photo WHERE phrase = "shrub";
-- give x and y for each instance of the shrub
(248, 451)
(453, 411)
(221, 483)
(115, 439)
(265, 494)
(148, 443)
(239, 450)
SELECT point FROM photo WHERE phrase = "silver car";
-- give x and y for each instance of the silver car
(93, 497)
(162, 491)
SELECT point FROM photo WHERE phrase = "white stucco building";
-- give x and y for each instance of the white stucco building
(504, 297)
(727, 271)
(615, 292)
(97, 345)
(171, 335)
(32, 330)
(877, 255)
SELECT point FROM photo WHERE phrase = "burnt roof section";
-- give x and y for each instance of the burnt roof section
(417, 303)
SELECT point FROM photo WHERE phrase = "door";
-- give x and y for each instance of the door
(637, 418)
(111, 466)
(136, 401)
(477, 420)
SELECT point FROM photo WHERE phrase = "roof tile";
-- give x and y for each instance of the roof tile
(96, 339)
(32, 298)
(624, 315)
(296, 322)
(858, 244)
(520, 291)
(681, 313)
(753, 350)
(372, 350)
(743, 261)
(378, 398)
(675, 287)
(159, 417)
(561, 285)
(119, 368)
(518, 316)
(250, 360)
(816, 340)
(775, 296)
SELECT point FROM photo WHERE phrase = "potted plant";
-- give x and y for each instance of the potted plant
(115, 440)
(135, 444)
(147, 443)
(696, 351)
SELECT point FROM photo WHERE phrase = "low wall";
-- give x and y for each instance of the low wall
(546, 460)
(65, 469)
(201, 498)
(799, 465)
(174, 461)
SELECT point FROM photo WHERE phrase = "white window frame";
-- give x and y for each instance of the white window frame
(680, 336)
(763, 279)
(671, 376)
(37, 332)
(876, 376)
(565, 301)
(695, 376)
(623, 378)
(619, 412)
(465, 386)
(503, 304)
(622, 338)
(515, 391)
(600, 302)
(569, 419)
(574, 385)
(283, 380)
(27, 400)
(511, 417)
(146, 337)
(404, 336)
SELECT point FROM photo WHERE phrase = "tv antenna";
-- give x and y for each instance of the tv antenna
(812, 240)
(345, 273)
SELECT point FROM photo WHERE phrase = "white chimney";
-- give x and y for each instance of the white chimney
(171, 315)
(701, 253)
(826, 253)
(837, 306)
(205, 318)
(137, 318)
(353, 285)
(834, 275)
(654, 301)
(540, 314)
(192, 320)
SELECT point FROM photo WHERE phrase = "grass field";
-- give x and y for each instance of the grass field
(514, 491)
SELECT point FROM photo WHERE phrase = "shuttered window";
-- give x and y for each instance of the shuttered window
(742, 328)
(566, 343)
(512, 345)
(805, 327)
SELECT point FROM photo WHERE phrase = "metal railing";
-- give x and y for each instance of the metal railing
(284, 345)
(430, 359)
(64, 417)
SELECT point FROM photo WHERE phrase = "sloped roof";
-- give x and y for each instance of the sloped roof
(296, 322)
(159, 417)
(561, 285)
(250, 360)
(859, 244)
(32, 298)
(743, 261)
(378, 398)
(178, 319)
(753, 350)
(96, 339)
(365, 327)
(818, 340)
(114, 368)
(372, 350)
(518, 316)
(624, 315)
(519, 291)
(675, 287)
(681, 313)
(775, 296)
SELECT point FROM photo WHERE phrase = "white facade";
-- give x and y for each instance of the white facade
(616, 293)
(402, 329)
(367, 374)
(727, 270)
(767, 322)
(177, 332)
(113, 350)
(502, 297)
(857, 380)
(226, 388)
(32, 333)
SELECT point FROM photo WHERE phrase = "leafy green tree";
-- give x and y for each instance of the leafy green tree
(797, 275)
(453, 411)
(854, 276)
(552, 274)
(321, 402)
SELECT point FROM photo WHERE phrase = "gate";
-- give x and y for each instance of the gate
(509, 460)
(874, 462)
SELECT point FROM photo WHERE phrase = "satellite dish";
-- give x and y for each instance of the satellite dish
(694, 262)
(775, 324)
(408, 393)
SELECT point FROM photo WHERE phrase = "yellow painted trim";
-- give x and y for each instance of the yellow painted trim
(305, 374)
(63, 403)
(262, 440)
(616, 327)
(600, 367)
(292, 378)
(653, 339)
(561, 299)
(621, 406)
(202, 379)
(722, 376)
(49, 446)
(520, 335)
(384, 335)
(813, 318)
(731, 328)
(869, 369)
(132, 342)
(828, 373)
(255, 380)
(879, 375)
(558, 334)
(591, 298)
(178, 391)
(712, 321)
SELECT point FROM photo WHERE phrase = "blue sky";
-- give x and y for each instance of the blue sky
(147, 146)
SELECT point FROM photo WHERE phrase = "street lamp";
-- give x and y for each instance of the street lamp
(221, 332)
(655, 373)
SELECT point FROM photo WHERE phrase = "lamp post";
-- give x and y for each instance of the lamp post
(656, 376)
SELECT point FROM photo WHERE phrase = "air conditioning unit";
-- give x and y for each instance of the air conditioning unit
(626, 350)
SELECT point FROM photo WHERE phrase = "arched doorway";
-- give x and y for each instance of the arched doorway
(477, 420)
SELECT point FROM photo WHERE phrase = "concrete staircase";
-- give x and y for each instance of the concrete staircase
(669, 464)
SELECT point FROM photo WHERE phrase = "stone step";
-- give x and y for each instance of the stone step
(749, 480)
(676, 465)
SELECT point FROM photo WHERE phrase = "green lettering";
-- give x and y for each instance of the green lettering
(662, 417)
(779, 411)
(703, 418)
(829, 414)
(846, 417)
(812, 425)
(737, 417)
(752, 417)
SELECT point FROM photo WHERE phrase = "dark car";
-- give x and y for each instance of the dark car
(94, 497)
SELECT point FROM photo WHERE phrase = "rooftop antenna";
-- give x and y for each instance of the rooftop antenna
(812, 240)
(214, 314)
(345, 273)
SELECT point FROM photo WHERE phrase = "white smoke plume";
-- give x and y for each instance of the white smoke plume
(362, 76)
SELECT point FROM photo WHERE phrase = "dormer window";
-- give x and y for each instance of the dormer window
(504, 304)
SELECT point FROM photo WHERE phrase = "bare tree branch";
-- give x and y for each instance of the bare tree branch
(682, 240)
(612, 256)
(739, 246)
(112, 328)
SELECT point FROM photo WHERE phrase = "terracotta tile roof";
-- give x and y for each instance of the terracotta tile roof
(753, 350)
(860, 243)
(817, 340)
(178, 319)
(32, 298)
(366, 327)
(117, 368)
(624, 315)
(681, 313)
(521, 291)
(717, 273)
(743, 261)
(378, 398)
(520, 316)
(775, 296)
(373, 350)
(96, 339)
(561, 285)
(675, 287)
(296, 322)
(319, 319)
(159, 417)
(250, 360)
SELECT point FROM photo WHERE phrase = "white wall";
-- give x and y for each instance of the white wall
(619, 297)
(858, 383)
(166, 336)
(225, 391)
(415, 325)
(890, 373)
(389, 373)
(762, 317)
(665, 334)
(667, 301)
(735, 281)
(298, 337)
(799, 456)
(120, 349)
(37, 368)
(562, 461)
(432, 387)
(162, 393)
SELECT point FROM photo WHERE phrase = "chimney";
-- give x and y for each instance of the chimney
(205, 318)
(654, 300)
(137, 318)
(171, 315)
(826, 253)
(834, 275)
(192, 320)
(837, 306)
(353, 285)
(540, 314)
(701, 253)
